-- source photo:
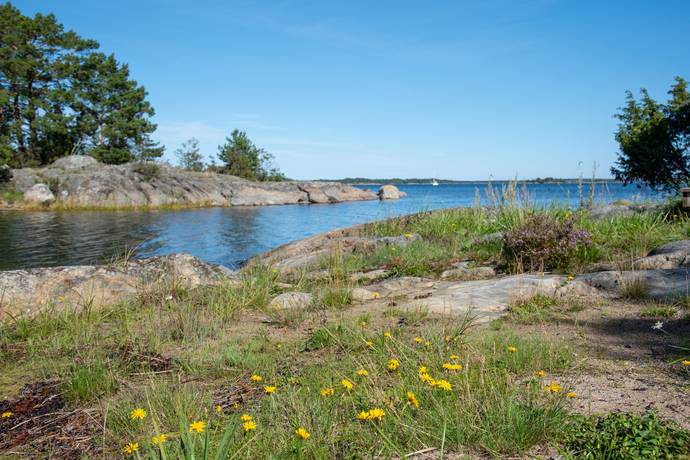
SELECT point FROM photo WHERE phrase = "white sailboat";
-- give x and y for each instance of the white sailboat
(434, 182)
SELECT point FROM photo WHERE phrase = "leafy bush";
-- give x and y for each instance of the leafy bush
(5, 174)
(625, 436)
(544, 243)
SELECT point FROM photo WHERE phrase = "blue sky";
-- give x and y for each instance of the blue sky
(458, 90)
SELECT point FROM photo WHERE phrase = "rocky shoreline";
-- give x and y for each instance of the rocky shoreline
(82, 182)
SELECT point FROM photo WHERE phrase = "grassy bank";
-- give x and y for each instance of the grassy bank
(220, 374)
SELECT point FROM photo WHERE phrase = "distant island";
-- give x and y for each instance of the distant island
(397, 180)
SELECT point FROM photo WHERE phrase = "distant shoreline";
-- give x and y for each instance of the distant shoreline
(398, 181)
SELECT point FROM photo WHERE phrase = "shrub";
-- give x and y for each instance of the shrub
(5, 174)
(625, 436)
(544, 243)
(147, 170)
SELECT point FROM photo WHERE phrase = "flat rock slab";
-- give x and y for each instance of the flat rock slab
(668, 284)
(29, 290)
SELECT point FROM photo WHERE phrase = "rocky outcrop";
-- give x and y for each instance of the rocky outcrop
(390, 192)
(291, 300)
(30, 290)
(81, 181)
(39, 194)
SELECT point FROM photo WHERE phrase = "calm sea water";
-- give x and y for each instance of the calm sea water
(229, 236)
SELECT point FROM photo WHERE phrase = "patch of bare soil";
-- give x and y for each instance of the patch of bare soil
(40, 423)
(628, 365)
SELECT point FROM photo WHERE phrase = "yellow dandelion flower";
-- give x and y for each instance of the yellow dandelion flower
(553, 388)
(197, 427)
(408, 235)
(269, 390)
(427, 343)
(236, 405)
(571, 277)
(685, 362)
(418, 339)
(423, 370)
(512, 349)
(246, 417)
(347, 384)
(448, 338)
(452, 367)
(302, 433)
(369, 343)
(454, 357)
(256, 378)
(388, 335)
(7, 414)
(443, 384)
(571, 394)
(219, 409)
(130, 447)
(138, 414)
(376, 294)
(376, 414)
(412, 399)
(248, 426)
(393, 364)
(327, 392)
(364, 415)
(363, 323)
(362, 372)
(160, 439)
(540, 374)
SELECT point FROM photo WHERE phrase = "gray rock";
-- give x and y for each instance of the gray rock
(86, 182)
(662, 284)
(292, 300)
(464, 272)
(495, 237)
(39, 194)
(390, 192)
(362, 295)
(670, 255)
(75, 162)
(103, 284)
(372, 275)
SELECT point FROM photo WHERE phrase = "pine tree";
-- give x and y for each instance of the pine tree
(189, 156)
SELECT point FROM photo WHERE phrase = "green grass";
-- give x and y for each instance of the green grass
(657, 311)
(534, 309)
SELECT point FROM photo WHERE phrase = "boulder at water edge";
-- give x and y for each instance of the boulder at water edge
(39, 194)
(390, 192)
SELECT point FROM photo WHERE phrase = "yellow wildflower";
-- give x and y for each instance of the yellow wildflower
(452, 367)
(248, 426)
(363, 323)
(327, 392)
(553, 388)
(393, 364)
(362, 372)
(418, 339)
(443, 384)
(408, 235)
(426, 378)
(376, 414)
(412, 399)
(369, 343)
(685, 362)
(454, 357)
(427, 343)
(388, 335)
(364, 415)
(347, 384)
(540, 374)
(219, 409)
(571, 277)
(512, 349)
(256, 378)
(571, 394)
(269, 390)
(423, 370)
(138, 414)
(130, 448)
(377, 294)
(197, 427)
(302, 433)
(159, 439)
(7, 414)
(246, 417)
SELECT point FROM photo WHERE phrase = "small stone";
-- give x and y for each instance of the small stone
(362, 295)
(292, 300)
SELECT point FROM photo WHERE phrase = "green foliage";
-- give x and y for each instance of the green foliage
(58, 96)
(189, 156)
(654, 139)
(532, 309)
(148, 170)
(657, 311)
(626, 437)
(5, 174)
(241, 157)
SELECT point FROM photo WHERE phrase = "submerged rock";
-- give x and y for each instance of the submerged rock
(30, 290)
(84, 182)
